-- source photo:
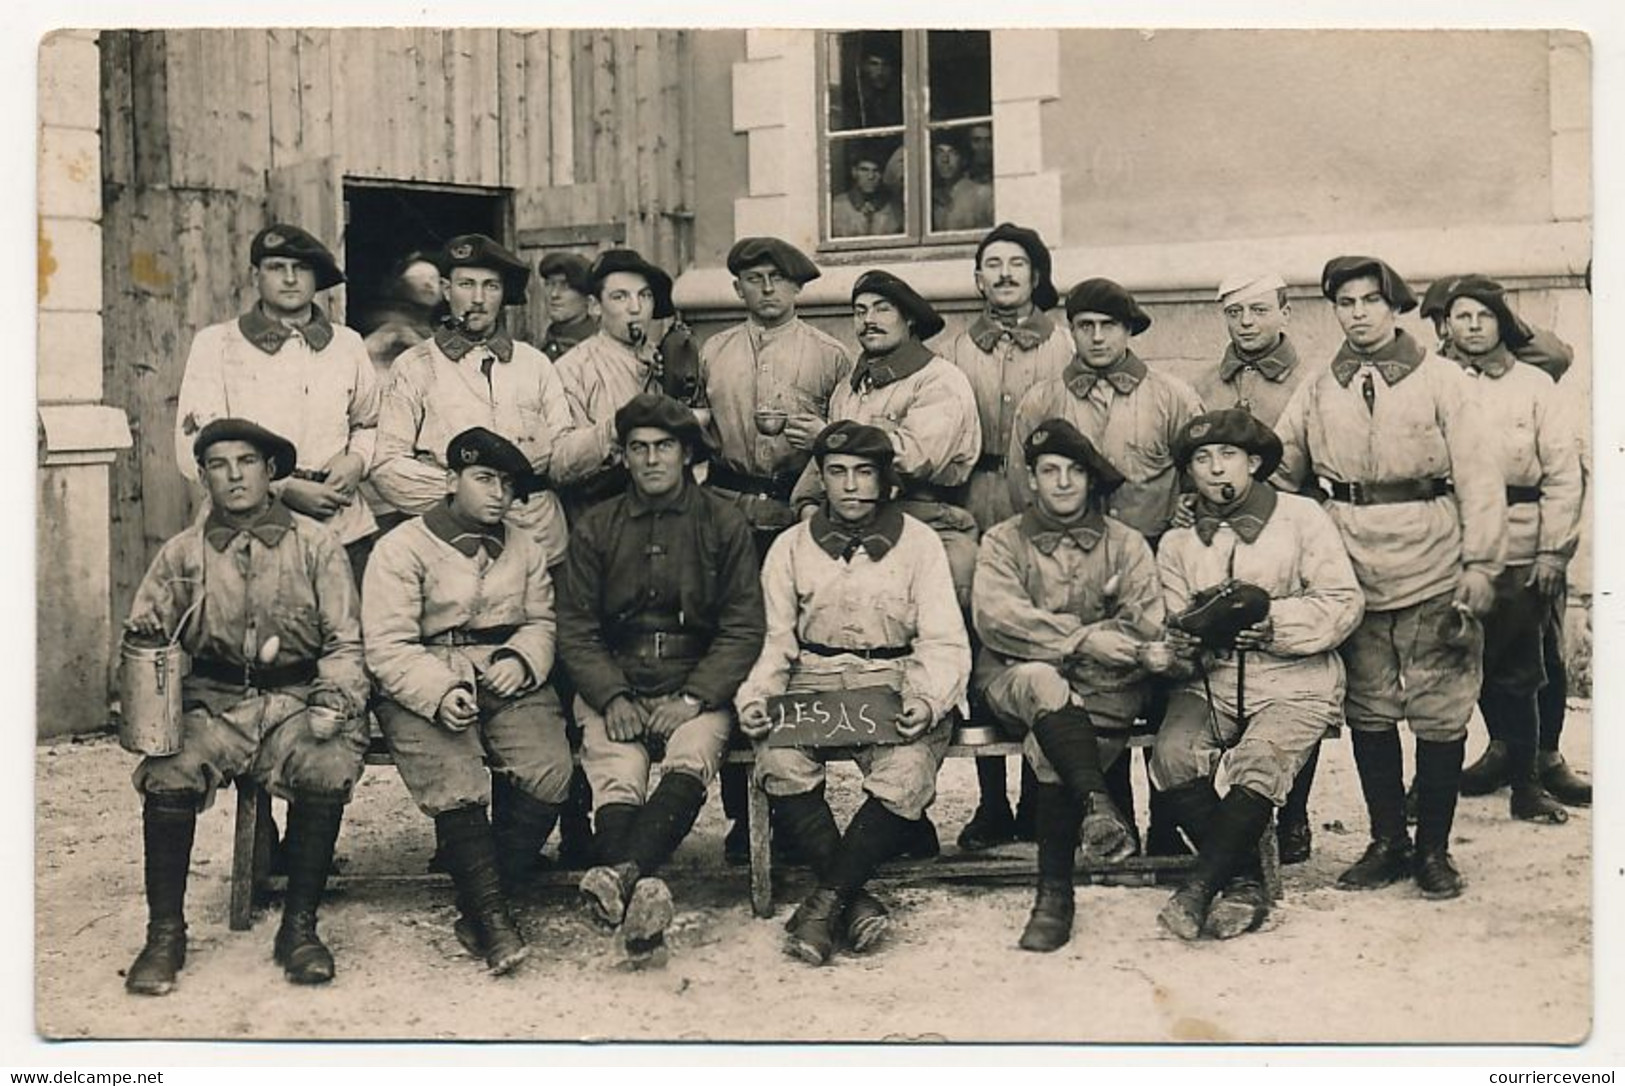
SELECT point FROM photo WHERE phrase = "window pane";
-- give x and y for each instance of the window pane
(865, 79)
(961, 176)
(867, 182)
(960, 74)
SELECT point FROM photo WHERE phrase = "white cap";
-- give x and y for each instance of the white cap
(1249, 284)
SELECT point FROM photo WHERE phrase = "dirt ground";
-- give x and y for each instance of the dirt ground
(1510, 961)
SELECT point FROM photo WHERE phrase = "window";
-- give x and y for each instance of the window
(907, 135)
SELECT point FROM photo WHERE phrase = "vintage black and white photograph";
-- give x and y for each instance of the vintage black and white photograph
(895, 533)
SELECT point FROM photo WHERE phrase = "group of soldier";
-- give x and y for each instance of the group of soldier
(581, 549)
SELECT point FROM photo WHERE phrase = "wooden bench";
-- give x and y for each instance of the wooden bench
(251, 849)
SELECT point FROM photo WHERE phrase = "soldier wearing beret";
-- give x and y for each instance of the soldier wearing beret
(286, 366)
(768, 381)
(1537, 346)
(627, 295)
(458, 617)
(567, 280)
(261, 661)
(923, 403)
(859, 595)
(473, 373)
(1012, 345)
(660, 617)
(1064, 597)
(1541, 465)
(1292, 687)
(1395, 433)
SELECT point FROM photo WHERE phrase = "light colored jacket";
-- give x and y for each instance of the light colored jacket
(599, 375)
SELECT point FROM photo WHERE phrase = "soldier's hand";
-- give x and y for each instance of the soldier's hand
(458, 709)
(1184, 512)
(754, 720)
(1111, 647)
(145, 624)
(331, 699)
(672, 713)
(1547, 580)
(1476, 592)
(505, 676)
(1258, 636)
(311, 498)
(623, 719)
(344, 472)
(915, 718)
(1184, 645)
(801, 429)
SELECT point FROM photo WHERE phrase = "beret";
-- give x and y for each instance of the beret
(1340, 269)
(611, 261)
(573, 266)
(1433, 300)
(660, 412)
(282, 239)
(273, 447)
(1044, 295)
(791, 262)
(854, 439)
(1231, 426)
(1058, 437)
(479, 251)
(1492, 295)
(1245, 285)
(926, 321)
(1105, 296)
(479, 447)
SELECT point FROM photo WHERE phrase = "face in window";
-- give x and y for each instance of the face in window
(852, 485)
(475, 298)
(1255, 324)
(1223, 473)
(564, 302)
(1366, 316)
(421, 283)
(656, 460)
(1474, 326)
(237, 475)
(624, 307)
(981, 152)
(947, 161)
(1100, 340)
(1005, 275)
(866, 175)
(878, 72)
(768, 295)
(1060, 485)
(880, 326)
(482, 494)
(286, 285)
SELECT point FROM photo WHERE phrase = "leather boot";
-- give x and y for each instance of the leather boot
(992, 824)
(1229, 849)
(664, 821)
(1057, 815)
(612, 832)
(1562, 783)
(1108, 837)
(1162, 835)
(1192, 806)
(874, 835)
(1293, 837)
(1438, 782)
(813, 927)
(1049, 926)
(921, 842)
(1489, 773)
(168, 825)
(313, 830)
(1530, 800)
(470, 851)
(649, 912)
(520, 826)
(867, 919)
(1387, 859)
(808, 825)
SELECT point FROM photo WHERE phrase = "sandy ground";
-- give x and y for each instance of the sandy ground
(1509, 961)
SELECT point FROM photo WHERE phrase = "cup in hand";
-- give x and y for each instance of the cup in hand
(1156, 657)
(771, 423)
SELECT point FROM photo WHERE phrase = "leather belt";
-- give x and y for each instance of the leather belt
(1522, 495)
(879, 652)
(663, 646)
(263, 678)
(990, 462)
(936, 492)
(777, 487)
(488, 635)
(1390, 492)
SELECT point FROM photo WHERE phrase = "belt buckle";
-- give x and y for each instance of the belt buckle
(1357, 493)
(660, 645)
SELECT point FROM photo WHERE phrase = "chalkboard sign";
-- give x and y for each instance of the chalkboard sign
(835, 718)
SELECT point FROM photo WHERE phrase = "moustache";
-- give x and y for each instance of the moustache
(870, 330)
(1005, 283)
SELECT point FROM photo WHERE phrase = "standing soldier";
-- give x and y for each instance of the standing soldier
(1262, 701)
(263, 601)
(1395, 433)
(1541, 466)
(858, 595)
(768, 382)
(567, 281)
(286, 366)
(1132, 414)
(458, 614)
(660, 618)
(1065, 596)
(1010, 347)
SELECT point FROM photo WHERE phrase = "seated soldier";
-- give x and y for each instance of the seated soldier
(660, 617)
(1258, 707)
(1064, 598)
(457, 609)
(260, 660)
(858, 595)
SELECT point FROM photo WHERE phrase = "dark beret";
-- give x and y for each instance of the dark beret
(1105, 296)
(479, 447)
(661, 412)
(1340, 269)
(1492, 295)
(281, 239)
(273, 447)
(854, 439)
(1058, 437)
(479, 251)
(1231, 426)
(1433, 301)
(925, 320)
(611, 261)
(791, 262)
(1044, 295)
(575, 268)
